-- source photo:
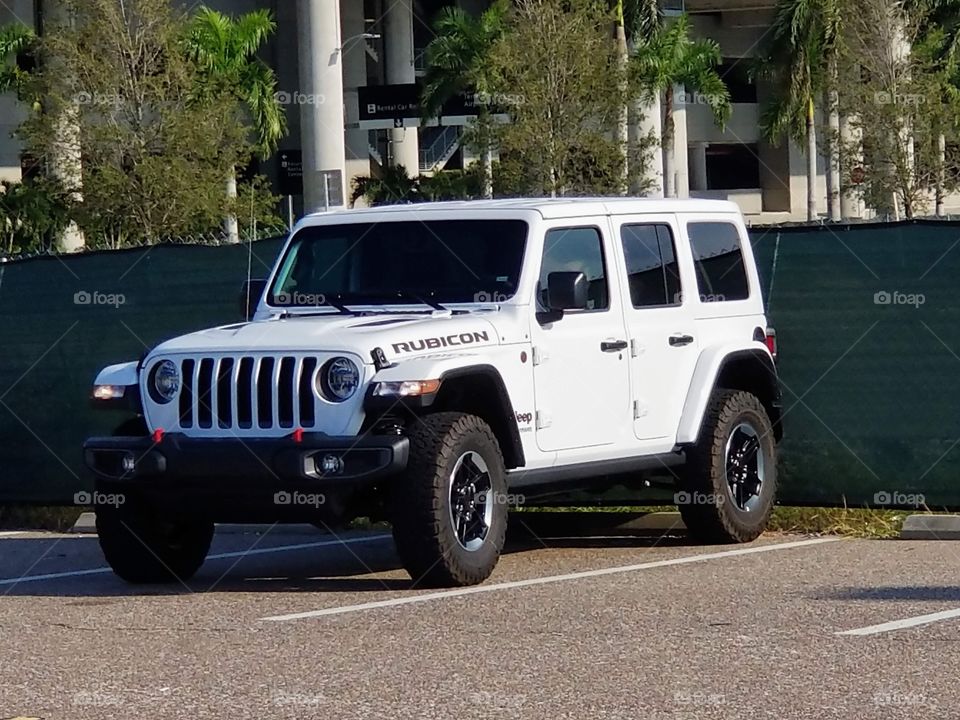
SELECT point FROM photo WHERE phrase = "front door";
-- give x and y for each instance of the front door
(581, 368)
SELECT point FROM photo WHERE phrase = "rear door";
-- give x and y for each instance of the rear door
(581, 370)
(657, 272)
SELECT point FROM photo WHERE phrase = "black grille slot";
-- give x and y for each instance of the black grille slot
(204, 389)
(307, 416)
(265, 393)
(244, 398)
(186, 394)
(225, 393)
(286, 391)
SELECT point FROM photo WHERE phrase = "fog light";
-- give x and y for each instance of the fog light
(128, 463)
(331, 465)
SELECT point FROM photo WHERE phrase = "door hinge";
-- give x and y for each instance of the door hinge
(639, 410)
(635, 348)
(543, 419)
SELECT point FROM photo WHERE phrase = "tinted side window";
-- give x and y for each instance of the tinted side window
(652, 270)
(575, 249)
(718, 257)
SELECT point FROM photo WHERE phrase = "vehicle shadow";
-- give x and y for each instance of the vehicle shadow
(360, 564)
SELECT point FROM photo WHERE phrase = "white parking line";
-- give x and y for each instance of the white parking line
(218, 556)
(905, 623)
(497, 587)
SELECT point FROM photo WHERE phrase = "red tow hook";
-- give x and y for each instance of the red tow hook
(298, 435)
(157, 436)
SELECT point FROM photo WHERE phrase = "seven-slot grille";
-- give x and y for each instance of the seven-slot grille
(247, 392)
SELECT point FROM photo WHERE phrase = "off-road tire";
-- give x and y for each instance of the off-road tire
(421, 508)
(142, 548)
(707, 506)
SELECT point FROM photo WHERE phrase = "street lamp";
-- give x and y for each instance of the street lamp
(360, 36)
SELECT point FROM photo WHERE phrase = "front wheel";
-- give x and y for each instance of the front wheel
(730, 479)
(449, 508)
(142, 548)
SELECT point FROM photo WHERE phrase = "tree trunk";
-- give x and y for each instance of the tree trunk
(669, 160)
(811, 162)
(833, 144)
(230, 226)
(941, 173)
(486, 168)
(623, 120)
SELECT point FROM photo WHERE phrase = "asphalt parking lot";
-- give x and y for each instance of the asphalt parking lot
(308, 625)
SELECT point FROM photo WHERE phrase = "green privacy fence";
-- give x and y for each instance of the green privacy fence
(867, 318)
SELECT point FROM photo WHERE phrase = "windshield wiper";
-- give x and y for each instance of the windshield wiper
(429, 302)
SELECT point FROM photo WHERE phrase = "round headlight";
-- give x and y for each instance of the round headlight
(338, 379)
(166, 381)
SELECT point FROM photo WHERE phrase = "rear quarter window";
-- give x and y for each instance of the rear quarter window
(718, 258)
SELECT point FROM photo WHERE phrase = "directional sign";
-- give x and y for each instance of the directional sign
(291, 172)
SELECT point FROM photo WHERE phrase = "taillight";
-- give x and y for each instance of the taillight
(771, 340)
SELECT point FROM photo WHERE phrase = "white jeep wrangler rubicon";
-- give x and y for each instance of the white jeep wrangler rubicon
(421, 362)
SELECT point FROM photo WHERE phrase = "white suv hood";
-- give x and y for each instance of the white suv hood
(399, 335)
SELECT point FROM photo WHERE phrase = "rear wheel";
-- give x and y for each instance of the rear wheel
(449, 508)
(730, 479)
(142, 548)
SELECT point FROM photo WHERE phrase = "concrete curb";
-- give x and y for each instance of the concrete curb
(86, 524)
(931, 527)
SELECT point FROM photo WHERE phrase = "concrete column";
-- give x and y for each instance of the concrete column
(698, 165)
(680, 163)
(354, 76)
(400, 70)
(647, 122)
(321, 121)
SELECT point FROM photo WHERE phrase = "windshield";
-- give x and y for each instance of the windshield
(440, 261)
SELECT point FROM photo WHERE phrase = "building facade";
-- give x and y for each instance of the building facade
(347, 72)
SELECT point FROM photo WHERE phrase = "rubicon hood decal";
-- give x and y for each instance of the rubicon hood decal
(433, 343)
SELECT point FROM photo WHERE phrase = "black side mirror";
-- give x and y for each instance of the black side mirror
(567, 290)
(250, 295)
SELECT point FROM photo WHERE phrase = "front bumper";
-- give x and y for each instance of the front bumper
(261, 464)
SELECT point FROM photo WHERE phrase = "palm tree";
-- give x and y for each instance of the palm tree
(670, 58)
(632, 19)
(801, 58)
(458, 62)
(225, 50)
(16, 41)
